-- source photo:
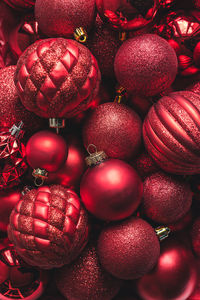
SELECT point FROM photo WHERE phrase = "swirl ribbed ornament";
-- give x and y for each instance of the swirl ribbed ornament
(171, 133)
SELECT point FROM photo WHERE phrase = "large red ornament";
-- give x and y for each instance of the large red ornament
(171, 133)
(146, 65)
(174, 276)
(129, 249)
(48, 227)
(114, 128)
(57, 78)
(86, 279)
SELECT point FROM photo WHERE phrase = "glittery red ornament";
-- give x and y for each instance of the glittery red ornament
(174, 276)
(145, 65)
(129, 249)
(145, 165)
(21, 5)
(86, 279)
(111, 190)
(57, 78)
(171, 133)
(183, 223)
(48, 227)
(115, 129)
(195, 234)
(61, 18)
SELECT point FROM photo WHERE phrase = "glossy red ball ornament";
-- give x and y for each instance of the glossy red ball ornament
(21, 5)
(111, 190)
(171, 133)
(48, 227)
(128, 249)
(86, 279)
(145, 65)
(46, 150)
(174, 276)
(57, 78)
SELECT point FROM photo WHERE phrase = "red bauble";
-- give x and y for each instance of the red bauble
(146, 65)
(115, 129)
(174, 276)
(145, 165)
(57, 78)
(195, 234)
(11, 109)
(48, 227)
(171, 133)
(61, 18)
(166, 199)
(86, 279)
(46, 150)
(111, 190)
(21, 5)
(129, 249)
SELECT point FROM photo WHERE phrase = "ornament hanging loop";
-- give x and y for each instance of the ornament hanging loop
(89, 149)
(96, 157)
(40, 176)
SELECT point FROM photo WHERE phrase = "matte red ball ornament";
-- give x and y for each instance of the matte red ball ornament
(171, 133)
(145, 65)
(128, 249)
(115, 128)
(49, 227)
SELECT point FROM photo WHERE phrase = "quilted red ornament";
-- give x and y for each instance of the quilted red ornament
(171, 133)
(48, 227)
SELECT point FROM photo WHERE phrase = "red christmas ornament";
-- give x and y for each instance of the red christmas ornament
(145, 65)
(110, 190)
(166, 199)
(115, 128)
(183, 223)
(195, 234)
(86, 279)
(48, 227)
(129, 249)
(61, 18)
(145, 165)
(21, 5)
(171, 133)
(174, 276)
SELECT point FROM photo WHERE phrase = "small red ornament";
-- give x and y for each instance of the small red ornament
(174, 276)
(48, 227)
(110, 190)
(21, 5)
(86, 279)
(145, 65)
(114, 128)
(171, 133)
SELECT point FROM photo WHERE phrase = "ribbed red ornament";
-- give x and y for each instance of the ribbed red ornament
(49, 227)
(171, 133)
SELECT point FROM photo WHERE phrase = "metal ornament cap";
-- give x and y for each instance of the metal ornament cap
(96, 157)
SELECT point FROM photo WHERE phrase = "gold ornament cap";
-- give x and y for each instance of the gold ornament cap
(40, 176)
(95, 157)
(56, 123)
(80, 35)
(162, 232)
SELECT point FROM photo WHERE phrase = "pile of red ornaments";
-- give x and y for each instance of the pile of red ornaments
(100, 149)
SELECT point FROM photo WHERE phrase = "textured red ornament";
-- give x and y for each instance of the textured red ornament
(145, 65)
(115, 129)
(46, 150)
(21, 5)
(171, 133)
(174, 276)
(86, 279)
(61, 18)
(111, 190)
(183, 223)
(48, 227)
(145, 165)
(129, 249)
(57, 78)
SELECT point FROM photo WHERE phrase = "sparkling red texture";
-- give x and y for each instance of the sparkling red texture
(145, 65)
(61, 18)
(129, 249)
(174, 276)
(48, 227)
(171, 133)
(114, 128)
(46, 150)
(145, 165)
(166, 199)
(85, 279)
(111, 190)
(195, 234)
(21, 5)
(57, 78)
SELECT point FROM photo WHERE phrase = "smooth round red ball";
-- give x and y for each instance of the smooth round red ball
(46, 150)
(166, 199)
(174, 276)
(85, 279)
(114, 128)
(128, 249)
(111, 190)
(61, 18)
(146, 65)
